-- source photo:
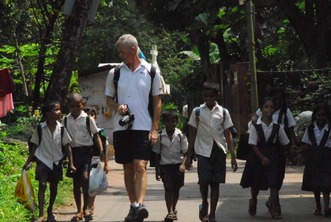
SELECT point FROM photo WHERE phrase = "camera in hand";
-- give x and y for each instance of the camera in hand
(128, 118)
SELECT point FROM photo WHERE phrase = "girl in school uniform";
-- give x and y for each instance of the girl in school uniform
(263, 167)
(316, 145)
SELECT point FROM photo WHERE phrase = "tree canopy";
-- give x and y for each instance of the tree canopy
(45, 49)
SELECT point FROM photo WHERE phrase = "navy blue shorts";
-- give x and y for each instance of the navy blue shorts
(212, 170)
(131, 145)
(172, 178)
(82, 157)
(45, 174)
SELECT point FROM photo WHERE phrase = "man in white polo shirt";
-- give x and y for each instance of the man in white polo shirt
(132, 141)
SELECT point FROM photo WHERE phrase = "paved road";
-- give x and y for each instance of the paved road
(113, 205)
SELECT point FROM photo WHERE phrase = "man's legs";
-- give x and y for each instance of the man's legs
(140, 181)
(140, 184)
(135, 179)
(129, 181)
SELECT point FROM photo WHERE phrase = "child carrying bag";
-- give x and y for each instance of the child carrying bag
(24, 192)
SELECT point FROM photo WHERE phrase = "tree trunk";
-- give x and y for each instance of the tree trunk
(73, 33)
(45, 40)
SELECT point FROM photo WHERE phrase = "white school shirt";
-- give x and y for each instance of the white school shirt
(133, 89)
(211, 127)
(275, 116)
(172, 148)
(267, 130)
(78, 131)
(49, 150)
(318, 135)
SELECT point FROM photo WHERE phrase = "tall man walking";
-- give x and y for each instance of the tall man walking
(130, 94)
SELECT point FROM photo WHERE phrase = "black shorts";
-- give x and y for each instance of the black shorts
(212, 170)
(172, 178)
(82, 157)
(45, 174)
(131, 145)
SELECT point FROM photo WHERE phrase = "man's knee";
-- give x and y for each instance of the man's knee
(140, 166)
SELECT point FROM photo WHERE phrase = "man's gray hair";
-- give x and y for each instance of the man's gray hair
(127, 40)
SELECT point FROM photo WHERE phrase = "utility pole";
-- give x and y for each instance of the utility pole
(251, 46)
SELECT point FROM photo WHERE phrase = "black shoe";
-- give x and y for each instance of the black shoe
(140, 212)
(130, 215)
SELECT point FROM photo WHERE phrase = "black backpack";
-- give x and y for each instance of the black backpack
(151, 73)
(39, 131)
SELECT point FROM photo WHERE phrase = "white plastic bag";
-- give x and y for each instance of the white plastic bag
(98, 181)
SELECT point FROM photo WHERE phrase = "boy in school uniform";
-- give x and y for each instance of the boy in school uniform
(171, 147)
(82, 152)
(211, 138)
(49, 155)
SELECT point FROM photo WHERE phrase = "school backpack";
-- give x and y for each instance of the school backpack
(39, 131)
(151, 73)
(96, 150)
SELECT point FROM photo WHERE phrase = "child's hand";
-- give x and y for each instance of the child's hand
(182, 167)
(265, 161)
(234, 164)
(105, 167)
(27, 165)
(72, 168)
(157, 173)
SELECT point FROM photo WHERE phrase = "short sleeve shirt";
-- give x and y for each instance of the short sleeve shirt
(78, 131)
(267, 130)
(211, 128)
(49, 150)
(133, 89)
(275, 116)
(318, 135)
(172, 149)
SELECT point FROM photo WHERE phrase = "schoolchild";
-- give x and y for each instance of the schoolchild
(284, 117)
(171, 147)
(316, 146)
(82, 152)
(211, 145)
(49, 156)
(263, 168)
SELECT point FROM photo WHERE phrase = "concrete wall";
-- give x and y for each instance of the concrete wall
(92, 89)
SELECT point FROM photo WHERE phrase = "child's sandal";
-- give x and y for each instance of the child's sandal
(317, 212)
